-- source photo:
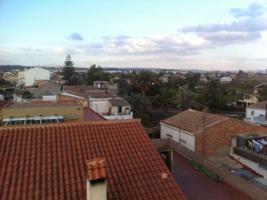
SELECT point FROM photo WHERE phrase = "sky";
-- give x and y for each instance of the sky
(192, 34)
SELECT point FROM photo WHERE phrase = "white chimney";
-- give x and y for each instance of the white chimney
(96, 183)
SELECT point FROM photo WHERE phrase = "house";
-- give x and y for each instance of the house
(111, 108)
(83, 160)
(28, 76)
(104, 102)
(256, 113)
(204, 133)
(45, 89)
(106, 85)
(247, 99)
(12, 76)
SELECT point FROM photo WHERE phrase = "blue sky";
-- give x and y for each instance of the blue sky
(205, 34)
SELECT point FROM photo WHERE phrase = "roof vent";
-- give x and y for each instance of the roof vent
(96, 179)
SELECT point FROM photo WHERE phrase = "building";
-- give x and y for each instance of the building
(104, 102)
(247, 99)
(256, 113)
(45, 89)
(226, 79)
(27, 77)
(106, 85)
(12, 76)
(115, 108)
(204, 133)
(83, 160)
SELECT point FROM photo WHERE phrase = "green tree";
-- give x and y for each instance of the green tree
(263, 93)
(96, 74)
(143, 81)
(68, 71)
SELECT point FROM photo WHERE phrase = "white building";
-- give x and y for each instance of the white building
(256, 113)
(27, 77)
(226, 79)
(115, 108)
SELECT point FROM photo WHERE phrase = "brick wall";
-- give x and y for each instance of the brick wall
(220, 135)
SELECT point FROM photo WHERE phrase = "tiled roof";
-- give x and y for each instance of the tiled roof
(192, 120)
(260, 105)
(48, 161)
(90, 115)
(79, 88)
(96, 169)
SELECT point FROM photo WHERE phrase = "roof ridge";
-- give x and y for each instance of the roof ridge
(126, 121)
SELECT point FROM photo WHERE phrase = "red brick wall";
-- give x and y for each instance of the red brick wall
(220, 135)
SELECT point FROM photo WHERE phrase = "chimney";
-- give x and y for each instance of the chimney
(96, 183)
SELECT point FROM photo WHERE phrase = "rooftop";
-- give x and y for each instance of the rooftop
(90, 115)
(40, 103)
(96, 169)
(48, 161)
(260, 105)
(193, 121)
(118, 101)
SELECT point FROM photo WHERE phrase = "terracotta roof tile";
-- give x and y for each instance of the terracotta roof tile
(192, 120)
(96, 169)
(48, 161)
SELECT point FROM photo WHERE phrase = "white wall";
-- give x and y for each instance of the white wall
(100, 106)
(183, 137)
(28, 77)
(257, 112)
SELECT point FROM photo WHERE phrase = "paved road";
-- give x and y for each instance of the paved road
(197, 186)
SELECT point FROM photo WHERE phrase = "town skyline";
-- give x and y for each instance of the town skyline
(171, 35)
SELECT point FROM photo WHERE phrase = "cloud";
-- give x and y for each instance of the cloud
(239, 31)
(245, 25)
(230, 37)
(169, 44)
(76, 36)
(254, 10)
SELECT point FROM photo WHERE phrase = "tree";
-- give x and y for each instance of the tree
(141, 107)
(192, 79)
(96, 74)
(213, 96)
(263, 93)
(68, 71)
(143, 81)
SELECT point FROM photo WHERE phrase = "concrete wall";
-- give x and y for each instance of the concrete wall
(69, 112)
(100, 106)
(183, 137)
(96, 191)
(257, 112)
(29, 76)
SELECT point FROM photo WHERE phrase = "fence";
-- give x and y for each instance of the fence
(247, 187)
